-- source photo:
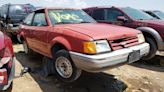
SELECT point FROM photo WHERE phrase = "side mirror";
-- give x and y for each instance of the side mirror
(122, 18)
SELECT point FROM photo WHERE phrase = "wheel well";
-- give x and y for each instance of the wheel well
(21, 38)
(57, 47)
(149, 35)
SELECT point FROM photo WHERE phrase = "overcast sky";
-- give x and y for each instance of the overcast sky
(138, 4)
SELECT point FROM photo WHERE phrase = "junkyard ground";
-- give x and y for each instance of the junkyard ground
(136, 77)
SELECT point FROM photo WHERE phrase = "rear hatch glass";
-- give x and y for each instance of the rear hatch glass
(21, 9)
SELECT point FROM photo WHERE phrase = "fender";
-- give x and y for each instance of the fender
(155, 34)
(62, 41)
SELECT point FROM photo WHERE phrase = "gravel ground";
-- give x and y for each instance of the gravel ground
(137, 77)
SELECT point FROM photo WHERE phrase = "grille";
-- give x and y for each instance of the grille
(123, 43)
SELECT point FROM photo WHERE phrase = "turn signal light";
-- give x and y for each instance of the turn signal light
(89, 47)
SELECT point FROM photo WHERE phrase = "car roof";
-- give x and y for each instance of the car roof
(56, 8)
(105, 7)
(16, 4)
(99, 7)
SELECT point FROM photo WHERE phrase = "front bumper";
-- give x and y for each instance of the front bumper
(101, 62)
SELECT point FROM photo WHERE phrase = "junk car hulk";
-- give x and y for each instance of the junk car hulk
(75, 42)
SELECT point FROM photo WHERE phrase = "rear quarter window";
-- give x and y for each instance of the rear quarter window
(28, 19)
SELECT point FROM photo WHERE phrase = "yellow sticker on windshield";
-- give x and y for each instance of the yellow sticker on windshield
(72, 17)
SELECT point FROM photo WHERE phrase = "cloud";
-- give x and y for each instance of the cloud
(68, 3)
(80, 4)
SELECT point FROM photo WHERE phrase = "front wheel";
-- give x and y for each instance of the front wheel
(64, 67)
(153, 49)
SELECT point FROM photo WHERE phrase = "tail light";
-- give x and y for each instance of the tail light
(3, 76)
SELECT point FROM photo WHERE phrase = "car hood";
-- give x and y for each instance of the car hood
(1, 40)
(101, 31)
(156, 22)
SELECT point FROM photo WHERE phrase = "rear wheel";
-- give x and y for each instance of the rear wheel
(153, 49)
(64, 67)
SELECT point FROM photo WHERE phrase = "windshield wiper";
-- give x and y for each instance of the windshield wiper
(72, 22)
(147, 19)
(141, 19)
(84, 22)
(63, 23)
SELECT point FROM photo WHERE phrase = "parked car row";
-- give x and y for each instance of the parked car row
(76, 42)
(152, 29)
(12, 15)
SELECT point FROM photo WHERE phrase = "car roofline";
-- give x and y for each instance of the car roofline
(56, 8)
(105, 7)
(16, 4)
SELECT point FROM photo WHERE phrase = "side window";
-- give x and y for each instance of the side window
(28, 19)
(112, 15)
(98, 14)
(39, 20)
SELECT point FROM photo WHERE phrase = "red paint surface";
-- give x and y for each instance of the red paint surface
(6, 50)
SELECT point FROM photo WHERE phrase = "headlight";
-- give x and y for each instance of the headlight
(96, 47)
(141, 38)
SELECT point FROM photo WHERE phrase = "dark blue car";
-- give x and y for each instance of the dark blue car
(11, 15)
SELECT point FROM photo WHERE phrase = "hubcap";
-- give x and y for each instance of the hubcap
(25, 47)
(63, 67)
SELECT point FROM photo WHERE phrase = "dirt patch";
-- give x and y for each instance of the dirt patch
(137, 77)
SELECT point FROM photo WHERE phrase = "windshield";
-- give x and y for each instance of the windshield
(61, 16)
(137, 14)
(160, 14)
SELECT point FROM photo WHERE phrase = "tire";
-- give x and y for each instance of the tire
(65, 70)
(162, 62)
(153, 49)
(27, 50)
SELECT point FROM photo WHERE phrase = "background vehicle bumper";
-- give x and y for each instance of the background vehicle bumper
(100, 62)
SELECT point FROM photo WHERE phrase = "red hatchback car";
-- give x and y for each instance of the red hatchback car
(75, 42)
(7, 63)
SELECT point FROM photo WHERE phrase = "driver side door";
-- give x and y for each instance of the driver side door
(40, 31)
